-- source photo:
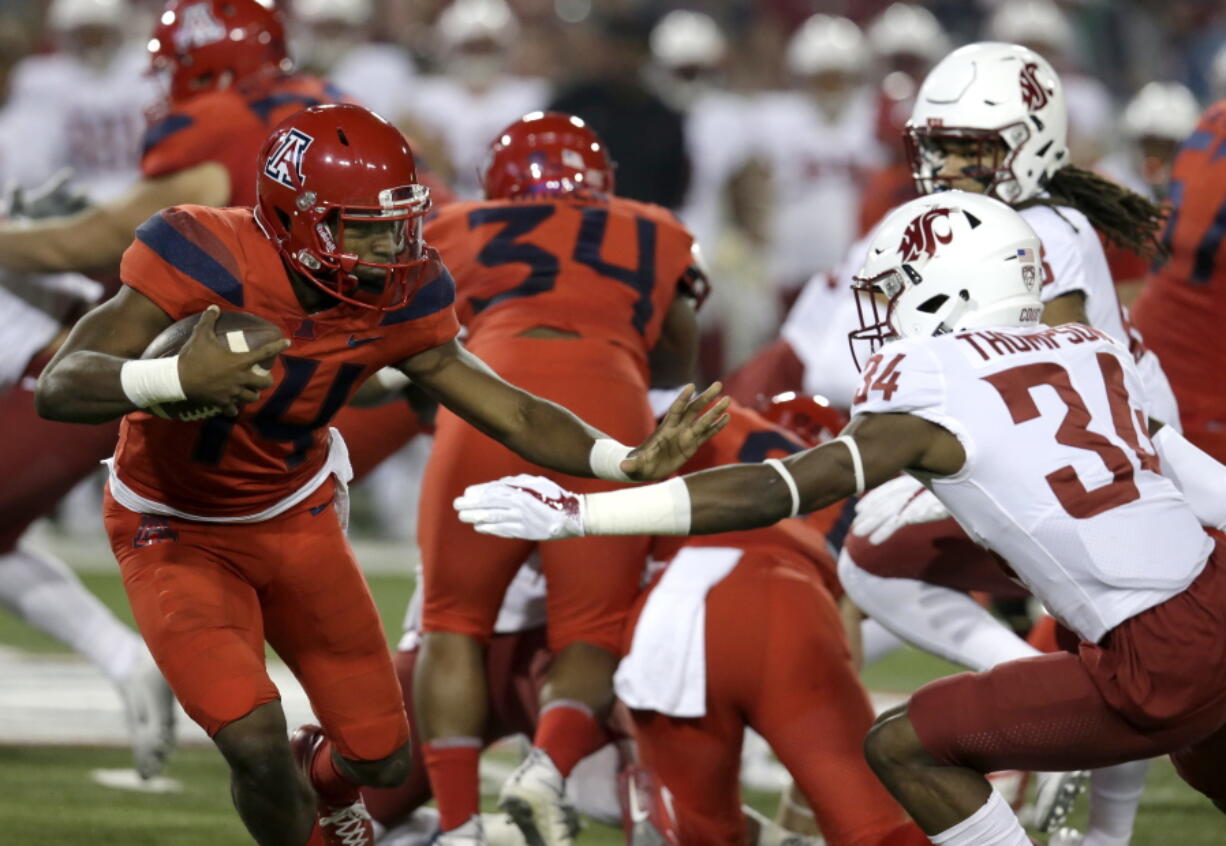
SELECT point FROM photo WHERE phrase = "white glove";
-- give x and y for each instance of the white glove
(899, 502)
(523, 506)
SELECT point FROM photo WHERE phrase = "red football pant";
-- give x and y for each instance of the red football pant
(1153, 686)
(592, 581)
(373, 435)
(777, 660)
(207, 595)
(41, 460)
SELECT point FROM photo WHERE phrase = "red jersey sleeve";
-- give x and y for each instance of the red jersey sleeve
(180, 261)
(198, 131)
(429, 319)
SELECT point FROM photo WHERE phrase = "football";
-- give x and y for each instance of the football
(237, 329)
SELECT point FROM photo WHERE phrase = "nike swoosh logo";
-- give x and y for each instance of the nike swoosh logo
(319, 509)
(355, 341)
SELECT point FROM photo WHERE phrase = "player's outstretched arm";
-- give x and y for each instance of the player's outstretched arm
(96, 376)
(94, 240)
(871, 450)
(547, 434)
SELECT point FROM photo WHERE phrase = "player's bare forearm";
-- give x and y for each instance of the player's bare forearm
(95, 239)
(754, 495)
(81, 384)
(540, 431)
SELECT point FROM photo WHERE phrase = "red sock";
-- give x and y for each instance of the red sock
(568, 732)
(451, 763)
(331, 786)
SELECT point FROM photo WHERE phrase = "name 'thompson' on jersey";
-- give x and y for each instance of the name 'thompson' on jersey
(187, 258)
(1060, 476)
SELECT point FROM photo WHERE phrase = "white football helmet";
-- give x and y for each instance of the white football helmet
(951, 261)
(1164, 110)
(991, 92)
(827, 43)
(65, 15)
(466, 21)
(353, 13)
(687, 39)
(907, 29)
(1036, 23)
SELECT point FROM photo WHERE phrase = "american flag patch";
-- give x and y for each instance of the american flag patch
(1025, 255)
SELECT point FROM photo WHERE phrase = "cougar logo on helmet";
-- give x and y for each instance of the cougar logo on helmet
(285, 163)
(1034, 95)
(920, 239)
(198, 28)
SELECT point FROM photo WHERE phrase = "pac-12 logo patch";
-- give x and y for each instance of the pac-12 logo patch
(285, 163)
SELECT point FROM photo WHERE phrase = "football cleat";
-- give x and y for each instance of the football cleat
(343, 825)
(534, 796)
(1055, 796)
(1067, 837)
(149, 711)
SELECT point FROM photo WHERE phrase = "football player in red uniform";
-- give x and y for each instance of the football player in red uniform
(226, 92)
(1182, 303)
(239, 516)
(566, 290)
(742, 629)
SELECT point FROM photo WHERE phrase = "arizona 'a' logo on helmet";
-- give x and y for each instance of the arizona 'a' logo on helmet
(920, 237)
(1034, 95)
(198, 27)
(285, 163)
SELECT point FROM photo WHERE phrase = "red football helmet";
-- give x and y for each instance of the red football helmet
(547, 153)
(811, 418)
(209, 44)
(338, 176)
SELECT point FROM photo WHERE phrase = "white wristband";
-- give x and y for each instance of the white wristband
(148, 382)
(791, 483)
(606, 460)
(857, 465)
(660, 509)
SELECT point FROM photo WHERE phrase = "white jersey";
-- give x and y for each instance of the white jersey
(817, 167)
(468, 122)
(1073, 260)
(817, 326)
(1060, 476)
(718, 140)
(91, 122)
(376, 75)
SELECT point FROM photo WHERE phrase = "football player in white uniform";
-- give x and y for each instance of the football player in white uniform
(818, 140)
(1039, 440)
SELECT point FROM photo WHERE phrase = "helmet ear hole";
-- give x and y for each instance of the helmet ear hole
(283, 217)
(930, 305)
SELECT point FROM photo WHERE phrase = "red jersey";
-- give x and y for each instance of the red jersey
(602, 270)
(187, 258)
(229, 127)
(750, 437)
(1182, 308)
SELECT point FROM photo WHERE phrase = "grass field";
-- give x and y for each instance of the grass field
(47, 797)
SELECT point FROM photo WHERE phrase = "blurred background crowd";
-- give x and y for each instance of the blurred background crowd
(771, 127)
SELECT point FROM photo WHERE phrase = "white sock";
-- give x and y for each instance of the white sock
(1115, 793)
(45, 593)
(936, 619)
(994, 824)
(876, 641)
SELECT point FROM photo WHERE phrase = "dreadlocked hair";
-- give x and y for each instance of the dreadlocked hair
(1123, 217)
